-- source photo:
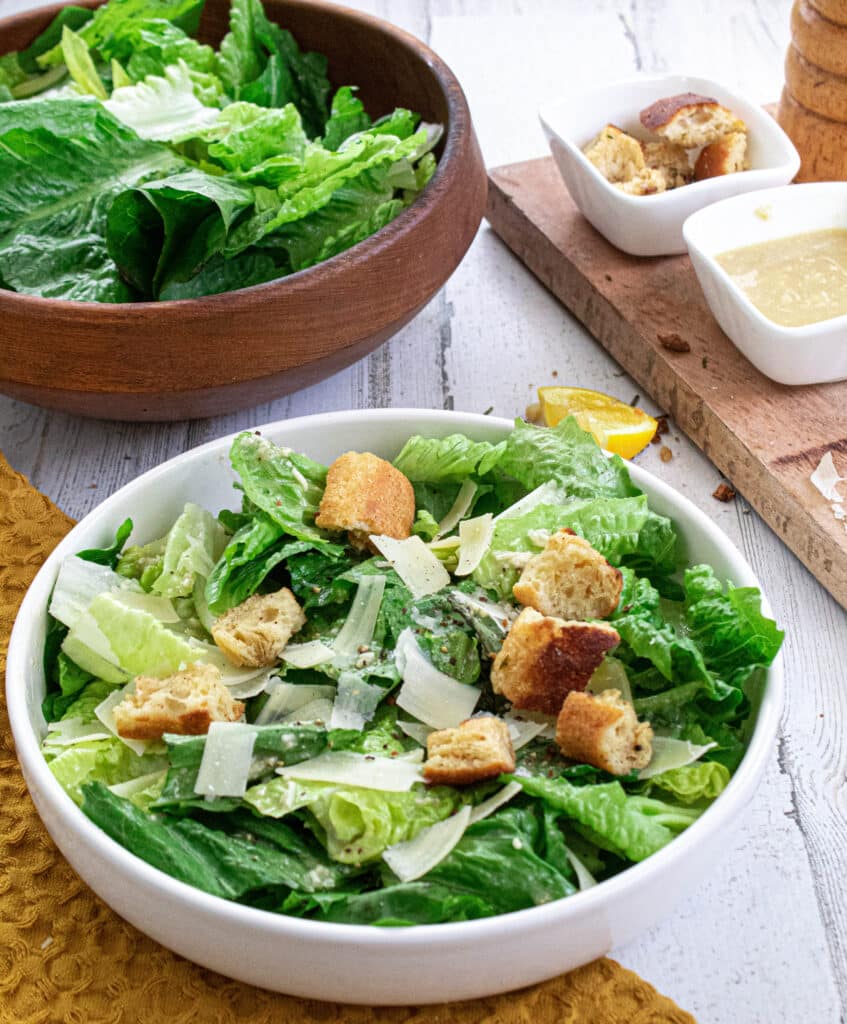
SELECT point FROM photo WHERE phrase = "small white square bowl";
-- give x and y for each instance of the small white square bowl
(652, 225)
(814, 354)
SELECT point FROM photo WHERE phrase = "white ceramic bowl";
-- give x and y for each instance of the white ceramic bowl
(355, 963)
(812, 354)
(652, 225)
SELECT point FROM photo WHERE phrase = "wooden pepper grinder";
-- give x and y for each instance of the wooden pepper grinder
(813, 106)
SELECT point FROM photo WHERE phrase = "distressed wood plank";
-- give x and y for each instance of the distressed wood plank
(729, 409)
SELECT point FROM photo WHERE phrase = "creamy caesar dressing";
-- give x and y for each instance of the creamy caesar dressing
(798, 280)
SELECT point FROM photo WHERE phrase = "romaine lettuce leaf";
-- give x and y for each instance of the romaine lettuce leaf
(240, 857)
(192, 547)
(121, 15)
(728, 626)
(166, 229)
(567, 455)
(261, 63)
(702, 780)
(616, 821)
(347, 116)
(108, 761)
(62, 161)
(452, 459)
(150, 47)
(163, 107)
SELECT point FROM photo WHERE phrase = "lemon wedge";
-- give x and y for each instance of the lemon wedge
(618, 427)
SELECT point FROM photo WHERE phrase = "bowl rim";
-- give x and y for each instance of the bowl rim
(804, 332)
(764, 122)
(457, 127)
(737, 793)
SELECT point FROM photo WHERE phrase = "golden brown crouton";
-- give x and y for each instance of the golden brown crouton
(670, 161)
(690, 120)
(543, 658)
(480, 748)
(616, 155)
(364, 495)
(604, 731)
(255, 632)
(185, 703)
(570, 580)
(726, 156)
(646, 183)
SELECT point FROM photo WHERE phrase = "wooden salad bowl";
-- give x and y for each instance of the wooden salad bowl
(202, 357)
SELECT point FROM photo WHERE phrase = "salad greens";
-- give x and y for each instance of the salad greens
(330, 817)
(140, 164)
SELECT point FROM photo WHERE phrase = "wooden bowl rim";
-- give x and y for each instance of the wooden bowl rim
(458, 131)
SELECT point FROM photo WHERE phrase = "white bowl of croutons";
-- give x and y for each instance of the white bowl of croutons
(641, 155)
(353, 963)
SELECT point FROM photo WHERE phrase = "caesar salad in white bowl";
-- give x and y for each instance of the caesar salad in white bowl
(432, 688)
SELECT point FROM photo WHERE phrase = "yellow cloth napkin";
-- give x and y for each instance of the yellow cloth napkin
(65, 956)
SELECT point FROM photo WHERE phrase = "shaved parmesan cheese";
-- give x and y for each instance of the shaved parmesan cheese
(583, 876)
(494, 803)
(610, 675)
(133, 786)
(358, 628)
(414, 563)
(826, 479)
(73, 730)
(287, 697)
(417, 730)
(547, 494)
(307, 655)
(459, 508)
(513, 559)
(427, 694)
(78, 583)
(225, 765)
(669, 753)
(522, 732)
(392, 775)
(416, 857)
(250, 687)
(355, 703)
(316, 711)
(480, 604)
(105, 712)
(475, 535)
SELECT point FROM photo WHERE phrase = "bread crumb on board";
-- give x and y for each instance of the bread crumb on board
(665, 454)
(723, 492)
(673, 342)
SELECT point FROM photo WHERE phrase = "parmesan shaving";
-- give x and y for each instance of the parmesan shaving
(416, 857)
(358, 628)
(430, 696)
(227, 756)
(459, 508)
(826, 479)
(669, 753)
(105, 712)
(346, 768)
(494, 803)
(414, 563)
(307, 655)
(475, 535)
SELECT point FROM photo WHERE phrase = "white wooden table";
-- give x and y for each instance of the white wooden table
(763, 939)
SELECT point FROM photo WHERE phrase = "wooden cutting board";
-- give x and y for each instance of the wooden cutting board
(765, 437)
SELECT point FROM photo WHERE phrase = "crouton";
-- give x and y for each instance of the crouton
(255, 632)
(669, 161)
(604, 731)
(646, 183)
(570, 580)
(543, 658)
(480, 748)
(726, 156)
(616, 155)
(690, 120)
(186, 703)
(364, 495)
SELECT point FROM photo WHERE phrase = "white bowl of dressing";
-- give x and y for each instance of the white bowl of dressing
(813, 353)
